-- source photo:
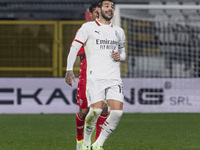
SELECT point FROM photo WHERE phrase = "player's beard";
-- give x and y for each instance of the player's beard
(105, 17)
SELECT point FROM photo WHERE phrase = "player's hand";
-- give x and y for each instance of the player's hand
(69, 76)
(116, 55)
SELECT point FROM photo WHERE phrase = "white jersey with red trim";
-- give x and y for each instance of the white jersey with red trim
(100, 40)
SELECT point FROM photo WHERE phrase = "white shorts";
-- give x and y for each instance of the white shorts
(103, 89)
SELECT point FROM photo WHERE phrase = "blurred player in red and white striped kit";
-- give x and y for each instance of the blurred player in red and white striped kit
(91, 15)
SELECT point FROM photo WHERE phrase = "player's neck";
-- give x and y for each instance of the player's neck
(103, 21)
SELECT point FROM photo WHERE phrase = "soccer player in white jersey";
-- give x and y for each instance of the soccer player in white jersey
(104, 48)
(81, 91)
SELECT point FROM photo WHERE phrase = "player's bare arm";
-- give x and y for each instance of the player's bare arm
(69, 76)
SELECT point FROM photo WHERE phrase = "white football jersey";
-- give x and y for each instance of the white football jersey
(100, 40)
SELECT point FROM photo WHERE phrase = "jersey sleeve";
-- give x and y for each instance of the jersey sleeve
(121, 46)
(81, 51)
(72, 54)
(122, 37)
(82, 34)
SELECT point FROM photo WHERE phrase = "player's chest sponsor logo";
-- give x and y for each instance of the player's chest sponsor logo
(107, 44)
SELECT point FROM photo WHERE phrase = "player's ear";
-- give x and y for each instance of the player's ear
(90, 14)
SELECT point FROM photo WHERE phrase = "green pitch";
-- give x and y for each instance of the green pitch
(134, 132)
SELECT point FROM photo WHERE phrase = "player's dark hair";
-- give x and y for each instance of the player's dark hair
(93, 7)
(101, 2)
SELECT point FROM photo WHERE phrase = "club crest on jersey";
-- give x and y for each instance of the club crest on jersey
(97, 32)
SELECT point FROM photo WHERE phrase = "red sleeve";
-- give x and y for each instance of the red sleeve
(81, 51)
